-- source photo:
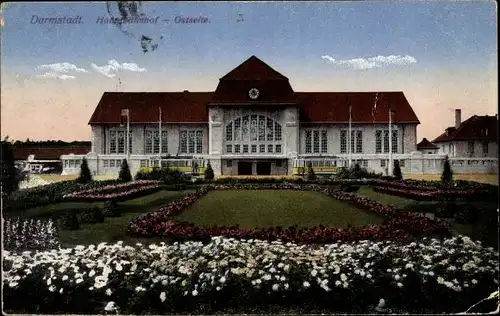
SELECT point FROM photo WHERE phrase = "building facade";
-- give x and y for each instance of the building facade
(254, 123)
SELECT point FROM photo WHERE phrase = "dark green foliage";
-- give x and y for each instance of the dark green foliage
(447, 175)
(356, 173)
(311, 176)
(397, 171)
(169, 176)
(11, 176)
(90, 215)
(111, 209)
(209, 172)
(69, 221)
(124, 175)
(349, 188)
(195, 169)
(85, 175)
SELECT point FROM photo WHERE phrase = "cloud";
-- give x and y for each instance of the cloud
(59, 70)
(113, 67)
(372, 62)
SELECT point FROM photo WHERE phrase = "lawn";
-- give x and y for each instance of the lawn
(113, 228)
(269, 208)
(472, 230)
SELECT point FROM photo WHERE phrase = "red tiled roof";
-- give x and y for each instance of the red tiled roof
(473, 128)
(233, 88)
(185, 107)
(426, 144)
(334, 107)
(48, 153)
(253, 69)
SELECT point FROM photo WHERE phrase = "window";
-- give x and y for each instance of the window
(277, 132)
(152, 142)
(316, 141)
(105, 163)
(382, 163)
(112, 163)
(353, 138)
(394, 141)
(386, 141)
(229, 132)
(365, 164)
(402, 163)
(378, 142)
(485, 147)
(144, 163)
(471, 147)
(148, 146)
(269, 129)
(229, 148)
(237, 148)
(269, 148)
(343, 142)
(66, 164)
(254, 148)
(278, 148)
(112, 142)
(164, 142)
(191, 142)
(308, 142)
(229, 163)
(262, 128)
(119, 163)
(324, 141)
(121, 142)
(262, 148)
(72, 164)
(199, 142)
(278, 163)
(359, 141)
(156, 142)
(245, 148)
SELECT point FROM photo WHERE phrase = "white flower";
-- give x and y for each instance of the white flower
(108, 292)
(275, 287)
(52, 288)
(400, 284)
(338, 283)
(110, 306)
(267, 277)
(272, 270)
(314, 273)
(397, 277)
(13, 284)
(65, 277)
(343, 277)
(218, 288)
(140, 289)
(222, 279)
(79, 281)
(163, 296)
(474, 281)
(61, 290)
(306, 284)
(195, 292)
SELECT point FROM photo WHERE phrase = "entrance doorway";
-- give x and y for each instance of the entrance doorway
(244, 168)
(263, 168)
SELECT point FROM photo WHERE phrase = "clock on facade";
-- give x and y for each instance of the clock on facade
(253, 93)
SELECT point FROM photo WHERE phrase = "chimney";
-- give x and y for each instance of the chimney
(458, 118)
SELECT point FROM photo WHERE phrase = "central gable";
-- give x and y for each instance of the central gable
(270, 86)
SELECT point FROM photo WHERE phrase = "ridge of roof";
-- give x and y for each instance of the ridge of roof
(245, 70)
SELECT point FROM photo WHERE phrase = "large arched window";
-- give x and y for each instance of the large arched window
(251, 134)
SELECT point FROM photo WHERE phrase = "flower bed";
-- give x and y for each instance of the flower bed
(19, 234)
(427, 195)
(48, 194)
(118, 192)
(400, 226)
(240, 276)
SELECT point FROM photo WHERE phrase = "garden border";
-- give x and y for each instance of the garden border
(402, 226)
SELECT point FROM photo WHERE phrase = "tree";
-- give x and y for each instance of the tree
(85, 175)
(311, 176)
(396, 172)
(209, 172)
(125, 175)
(11, 176)
(447, 175)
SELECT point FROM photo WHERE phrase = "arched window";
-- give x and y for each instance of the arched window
(253, 134)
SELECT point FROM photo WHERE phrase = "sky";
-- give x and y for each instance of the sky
(441, 54)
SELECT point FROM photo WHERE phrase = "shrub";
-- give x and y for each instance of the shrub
(124, 175)
(397, 171)
(111, 209)
(69, 221)
(85, 175)
(447, 175)
(90, 215)
(209, 172)
(11, 176)
(311, 176)
(349, 188)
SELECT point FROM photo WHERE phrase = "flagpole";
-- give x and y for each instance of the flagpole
(390, 143)
(128, 134)
(159, 131)
(350, 136)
